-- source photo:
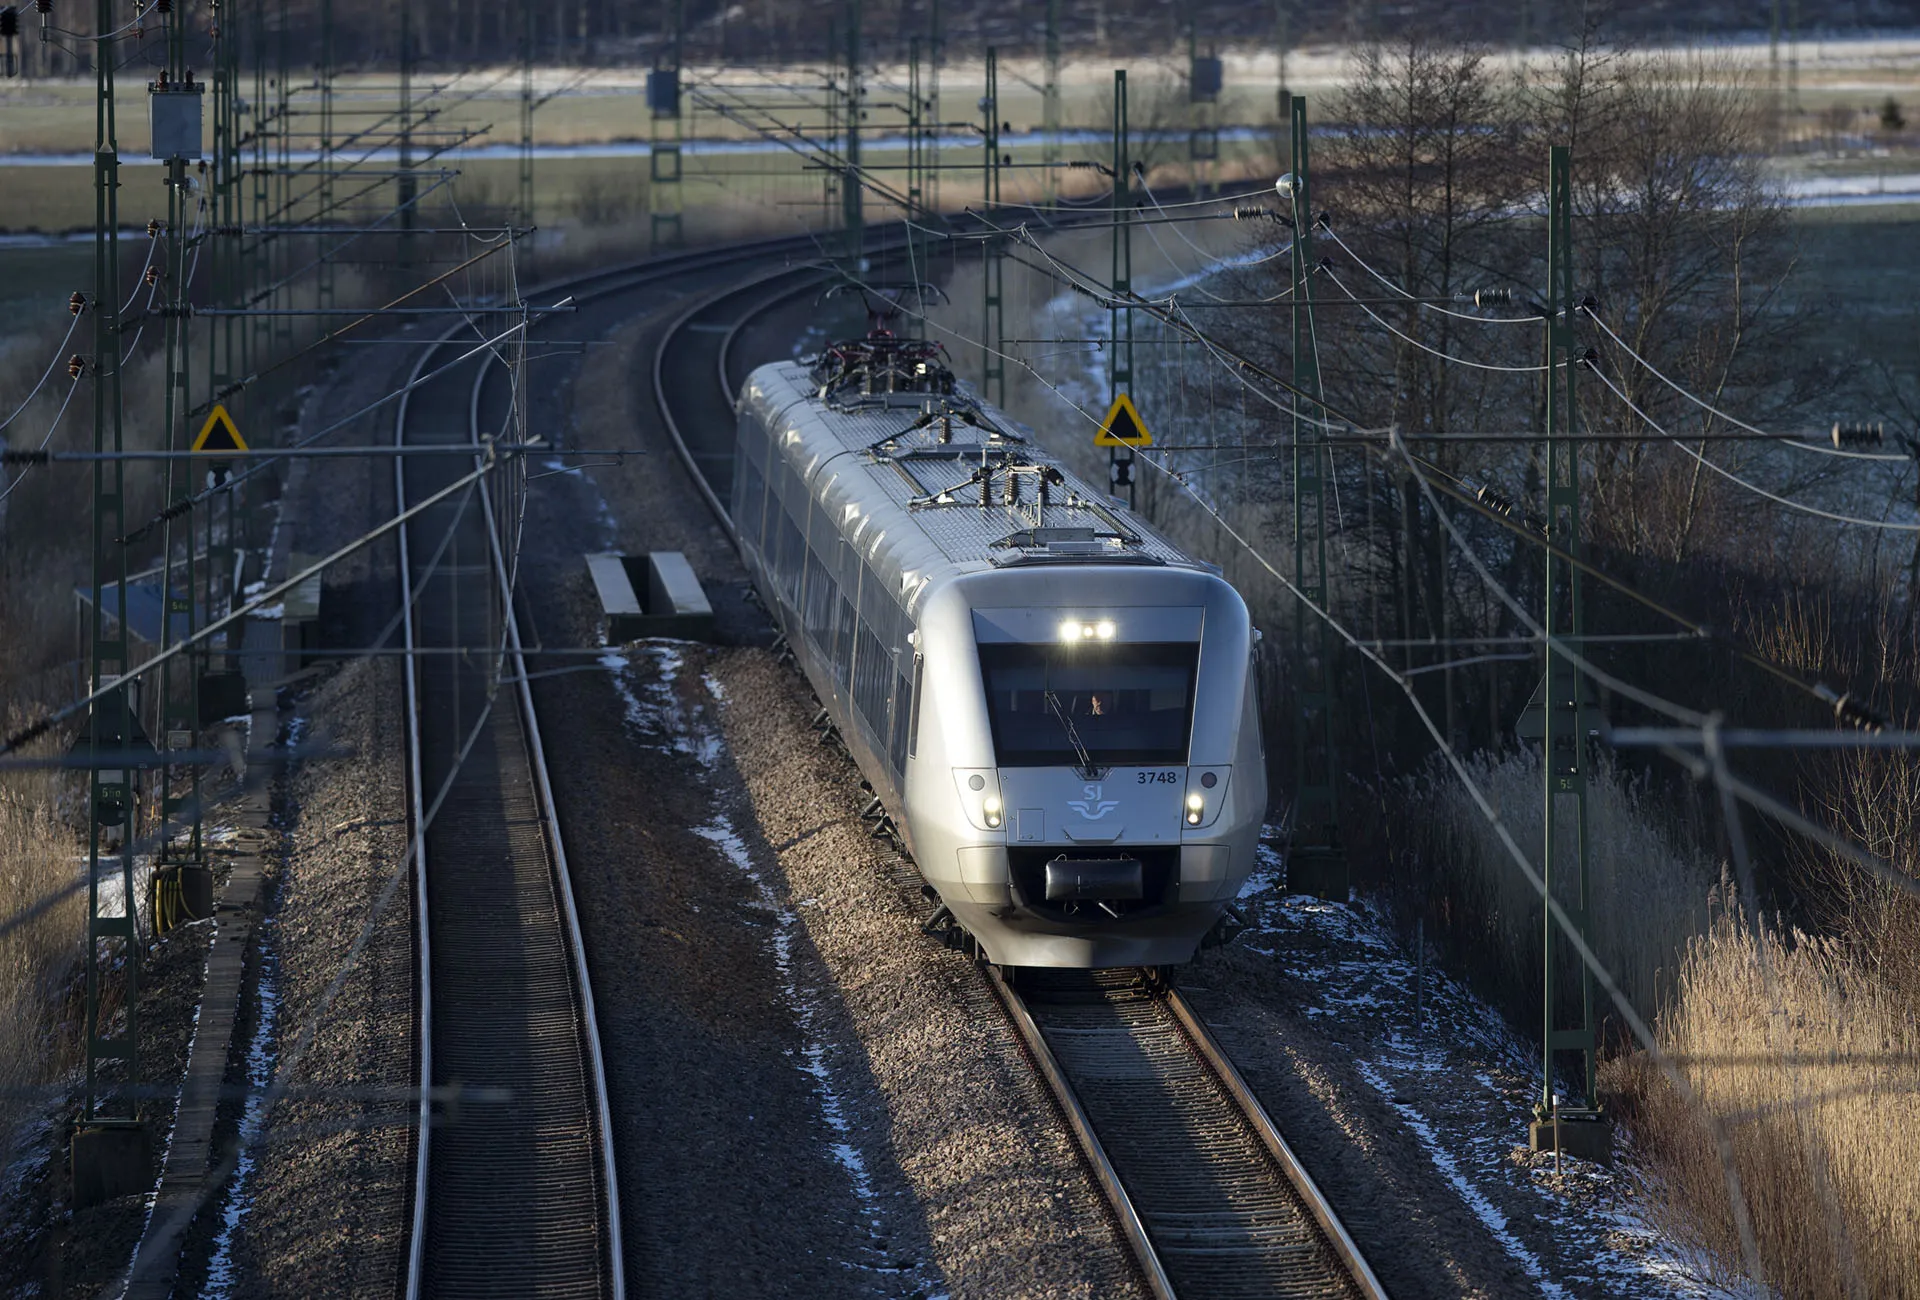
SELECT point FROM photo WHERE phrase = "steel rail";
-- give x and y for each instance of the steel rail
(1269, 1133)
(675, 433)
(1213, 1225)
(1132, 1228)
(423, 991)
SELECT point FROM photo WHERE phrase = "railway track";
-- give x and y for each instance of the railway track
(515, 1193)
(518, 1193)
(1205, 1191)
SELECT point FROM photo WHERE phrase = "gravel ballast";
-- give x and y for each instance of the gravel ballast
(323, 1210)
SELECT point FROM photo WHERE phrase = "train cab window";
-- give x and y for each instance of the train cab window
(1070, 705)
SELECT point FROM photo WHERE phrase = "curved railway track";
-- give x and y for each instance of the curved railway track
(1205, 1191)
(514, 1194)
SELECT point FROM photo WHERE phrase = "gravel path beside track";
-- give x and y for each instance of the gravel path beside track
(326, 1207)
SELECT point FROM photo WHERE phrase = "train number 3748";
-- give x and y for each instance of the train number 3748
(1159, 778)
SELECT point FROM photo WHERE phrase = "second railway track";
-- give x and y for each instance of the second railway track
(515, 1193)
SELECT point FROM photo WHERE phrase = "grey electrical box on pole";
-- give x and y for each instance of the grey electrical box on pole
(174, 110)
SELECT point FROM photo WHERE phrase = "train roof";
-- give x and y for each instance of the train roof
(932, 484)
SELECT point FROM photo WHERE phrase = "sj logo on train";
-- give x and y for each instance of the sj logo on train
(1093, 807)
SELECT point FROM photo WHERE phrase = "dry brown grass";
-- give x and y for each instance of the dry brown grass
(1813, 1075)
(38, 960)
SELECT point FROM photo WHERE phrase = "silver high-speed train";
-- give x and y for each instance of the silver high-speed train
(1055, 706)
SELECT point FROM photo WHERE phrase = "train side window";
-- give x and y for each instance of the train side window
(902, 710)
(821, 595)
(918, 687)
(872, 666)
(750, 490)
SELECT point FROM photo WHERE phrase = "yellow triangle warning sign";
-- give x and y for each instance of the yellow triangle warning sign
(1123, 426)
(218, 434)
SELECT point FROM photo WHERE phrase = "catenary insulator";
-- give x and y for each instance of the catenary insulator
(77, 303)
(76, 366)
(1864, 433)
(1856, 713)
(1493, 297)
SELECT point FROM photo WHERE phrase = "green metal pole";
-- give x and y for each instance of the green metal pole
(110, 1152)
(993, 328)
(1316, 862)
(1120, 319)
(830, 177)
(283, 175)
(917, 213)
(665, 204)
(1284, 98)
(406, 188)
(1050, 125)
(178, 712)
(324, 272)
(523, 208)
(851, 191)
(936, 54)
(1564, 745)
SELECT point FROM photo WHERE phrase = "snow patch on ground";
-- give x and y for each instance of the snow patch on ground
(1462, 1083)
(658, 713)
(804, 1003)
(603, 513)
(263, 1062)
(263, 1058)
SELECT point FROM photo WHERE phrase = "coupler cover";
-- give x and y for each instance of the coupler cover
(1094, 879)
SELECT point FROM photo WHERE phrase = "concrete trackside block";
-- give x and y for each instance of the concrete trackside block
(619, 604)
(650, 595)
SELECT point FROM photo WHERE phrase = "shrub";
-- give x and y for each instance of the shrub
(1812, 1075)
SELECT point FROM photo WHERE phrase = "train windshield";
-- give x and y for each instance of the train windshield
(1090, 705)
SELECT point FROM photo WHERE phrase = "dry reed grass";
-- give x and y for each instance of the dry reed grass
(1648, 891)
(1813, 1075)
(39, 959)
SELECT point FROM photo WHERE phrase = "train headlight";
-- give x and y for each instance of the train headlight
(1206, 796)
(1074, 630)
(978, 789)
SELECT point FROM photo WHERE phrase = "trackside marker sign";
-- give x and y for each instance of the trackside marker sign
(219, 434)
(1123, 426)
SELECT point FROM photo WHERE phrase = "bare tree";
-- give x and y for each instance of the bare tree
(1685, 247)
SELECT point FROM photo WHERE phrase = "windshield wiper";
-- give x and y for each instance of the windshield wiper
(1086, 768)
